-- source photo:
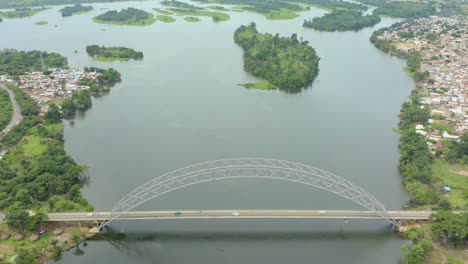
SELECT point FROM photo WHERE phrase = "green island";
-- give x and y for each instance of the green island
(192, 19)
(42, 23)
(27, 3)
(14, 62)
(342, 20)
(332, 5)
(166, 19)
(36, 174)
(259, 86)
(288, 63)
(219, 8)
(163, 12)
(108, 54)
(182, 8)
(272, 9)
(75, 10)
(404, 9)
(129, 17)
(6, 109)
(284, 9)
(21, 12)
(424, 174)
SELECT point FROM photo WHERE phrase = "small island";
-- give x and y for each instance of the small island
(166, 19)
(182, 8)
(129, 17)
(42, 23)
(75, 10)
(259, 86)
(342, 20)
(108, 54)
(191, 19)
(287, 63)
(21, 12)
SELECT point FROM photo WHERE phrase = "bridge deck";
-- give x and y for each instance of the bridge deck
(234, 214)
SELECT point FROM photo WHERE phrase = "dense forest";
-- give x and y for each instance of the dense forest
(113, 52)
(177, 4)
(129, 14)
(6, 109)
(15, 62)
(70, 10)
(342, 20)
(38, 167)
(26, 3)
(404, 9)
(287, 63)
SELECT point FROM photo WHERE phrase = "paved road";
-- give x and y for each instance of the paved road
(232, 214)
(16, 110)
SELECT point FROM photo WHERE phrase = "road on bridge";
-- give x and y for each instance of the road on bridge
(234, 214)
(16, 110)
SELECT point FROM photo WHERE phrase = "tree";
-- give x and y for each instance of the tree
(54, 243)
(36, 220)
(444, 204)
(450, 228)
(76, 238)
(25, 256)
(16, 218)
(53, 115)
(22, 196)
(414, 254)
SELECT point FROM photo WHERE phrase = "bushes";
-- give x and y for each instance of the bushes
(6, 109)
(15, 62)
(27, 104)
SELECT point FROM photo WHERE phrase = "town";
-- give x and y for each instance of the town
(442, 45)
(52, 85)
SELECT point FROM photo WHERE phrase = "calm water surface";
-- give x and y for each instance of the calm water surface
(181, 105)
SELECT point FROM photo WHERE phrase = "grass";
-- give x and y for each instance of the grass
(161, 11)
(150, 20)
(212, 14)
(111, 59)
(259, 86)
(282, 14)
(32, 145)
(409, 72)
(21, 14)
(166, 19)
(6, 109)
(448, 174)
(42, 245)
(42, 23)
(191, 19)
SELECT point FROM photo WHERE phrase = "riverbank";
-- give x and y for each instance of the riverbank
(54, 239)
(426, 146)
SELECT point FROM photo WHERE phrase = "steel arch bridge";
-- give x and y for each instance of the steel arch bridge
(249, 168)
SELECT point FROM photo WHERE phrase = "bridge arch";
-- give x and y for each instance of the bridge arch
(249, 168)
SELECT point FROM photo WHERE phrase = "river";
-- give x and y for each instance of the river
(181, 105)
